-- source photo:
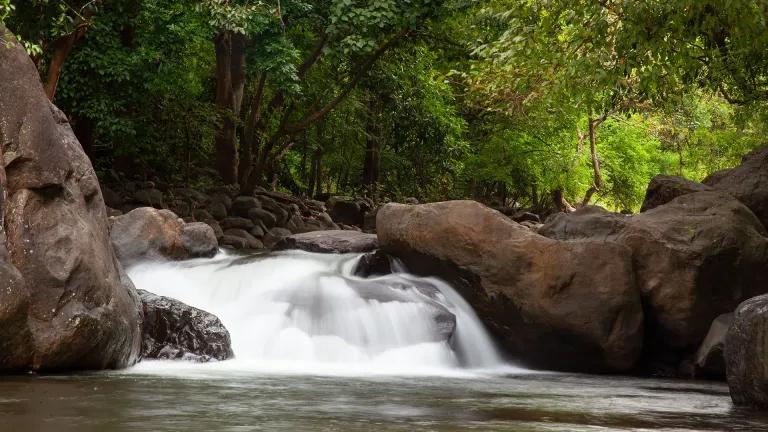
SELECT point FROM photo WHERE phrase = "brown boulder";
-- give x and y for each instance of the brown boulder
(335, 241)
(65, 302)
(663, 189)
(552, 304)
(746, 355)
(695, 258)
(747, 182)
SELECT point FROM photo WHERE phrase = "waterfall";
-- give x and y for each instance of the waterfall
(304, 312)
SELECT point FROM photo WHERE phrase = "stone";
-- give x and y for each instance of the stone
(746, 356)
(563, 305)
(663, 189)
(202, 215)
(336, 241)
(242, 204)
(65, 302)
(199, 240)
(217, 231)
(346, 210)
(251, 242)
(149, 197)
(747, 182)
(279, 211)
(218, 210)
(274, 235)
(237, 222)
(375, 263)
(233, 241)
(526, 217)
(147, 234)
(709, 360)
(259, 215)
(695, 257)
(174, 330)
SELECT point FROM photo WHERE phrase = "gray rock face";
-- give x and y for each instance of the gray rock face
(330, 242)
(746, 357)
(694, 258)
(747, 182)
(551, 304)
(174, 330)
(64, 302)
(663, 189)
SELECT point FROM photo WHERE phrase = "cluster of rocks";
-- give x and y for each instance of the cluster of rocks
(243, 222)
(598, 291)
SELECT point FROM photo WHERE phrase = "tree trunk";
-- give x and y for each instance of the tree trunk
(597, 181)
(372, 161)
(61, 49)
(230, 82)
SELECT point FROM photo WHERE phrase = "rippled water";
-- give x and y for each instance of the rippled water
(200, 399)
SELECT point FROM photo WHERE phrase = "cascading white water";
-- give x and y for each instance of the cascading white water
(303, 312)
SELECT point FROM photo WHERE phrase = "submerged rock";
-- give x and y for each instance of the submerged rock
(174, 330)
(552, 304)
(375, 263)
(64, 300)
(746, 356)
(335, 241)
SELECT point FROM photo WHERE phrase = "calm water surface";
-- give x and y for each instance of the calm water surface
(224, 400)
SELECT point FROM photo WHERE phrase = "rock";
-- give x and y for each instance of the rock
(190, 195)
(242, 204)
(295, 224)
(181, 208)
(552, 304)
(237, 222)
(217, 231)
(147, 233)
(259, 215)
(346, 210)
(747, 182)
(746, 356)
(526, 217)
(533, 226)
(273, 236)
(174, 330)
(65, 301)
(251, 242)
(329, 242)
(233, 241)
(411, 201)
(111, 198)
(199, 240)
(222, 199)
(280, 213)
(663, 189)
(695, 258)
(369, 222)
(202, 215)
(257, 231)
(149, 197)
(218, 210)
(709, 359)
(112, 212)
(375, 263)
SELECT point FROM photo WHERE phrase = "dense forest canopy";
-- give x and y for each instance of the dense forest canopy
(505, 101)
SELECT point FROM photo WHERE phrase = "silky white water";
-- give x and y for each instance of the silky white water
(307, 313)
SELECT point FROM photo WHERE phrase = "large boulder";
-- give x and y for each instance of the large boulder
(552, 304)
(330, 242)
(65, 301)
(663, 189)
(695, 258)
(747, 182)
(174, 330)
(147, 233)
(746, 354)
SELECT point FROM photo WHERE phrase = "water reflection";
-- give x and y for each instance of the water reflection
(119, 401)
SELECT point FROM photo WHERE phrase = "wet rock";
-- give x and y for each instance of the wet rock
(329, 242)
(251, 242)
(259, 215)
(375, 263)
(747, 182)
(663, 189)
(65, 303)
(746, 356)
(174, 330)
(552, 304)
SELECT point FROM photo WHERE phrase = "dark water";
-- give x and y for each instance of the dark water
(246, 401)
